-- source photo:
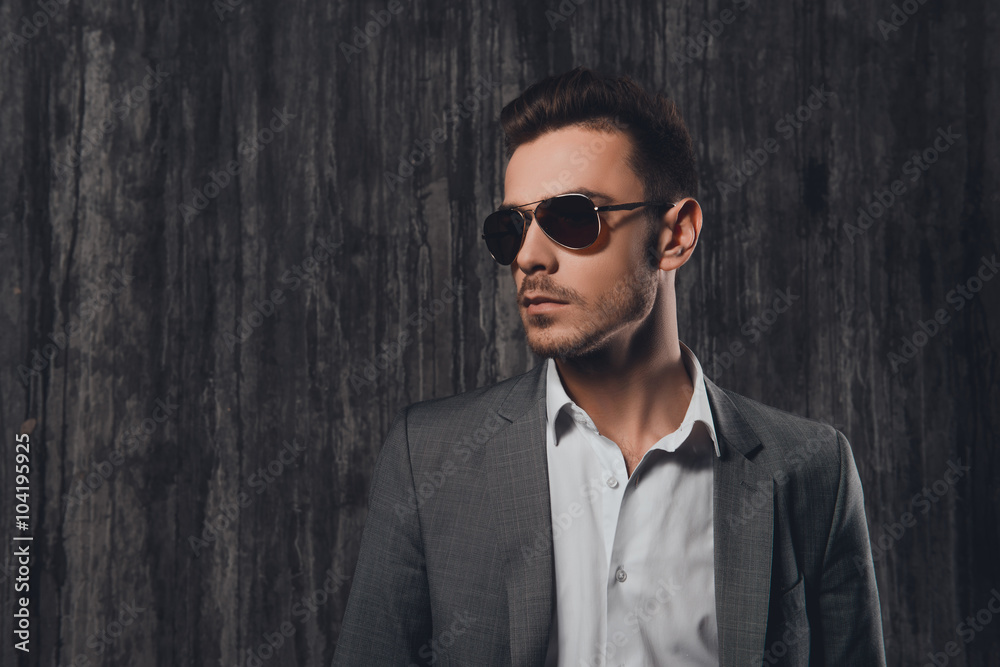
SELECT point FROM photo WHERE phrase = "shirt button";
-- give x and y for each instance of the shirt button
(612, 482)
(620, 575)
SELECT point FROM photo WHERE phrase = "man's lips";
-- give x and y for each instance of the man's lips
(539, 303)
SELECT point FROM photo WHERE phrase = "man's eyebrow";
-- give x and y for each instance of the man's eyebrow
(593, 194)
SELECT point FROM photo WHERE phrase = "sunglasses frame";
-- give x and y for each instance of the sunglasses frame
(525, 222)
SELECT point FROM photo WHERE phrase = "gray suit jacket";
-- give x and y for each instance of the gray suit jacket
(456, 563)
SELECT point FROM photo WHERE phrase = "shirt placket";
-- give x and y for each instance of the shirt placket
(613, 475)
(610, 467)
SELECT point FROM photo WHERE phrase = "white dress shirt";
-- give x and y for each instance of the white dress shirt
(635, 577)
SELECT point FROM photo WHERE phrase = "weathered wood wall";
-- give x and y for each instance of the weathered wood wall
(205, 328)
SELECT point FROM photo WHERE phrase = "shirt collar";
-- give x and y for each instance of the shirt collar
(699, 409)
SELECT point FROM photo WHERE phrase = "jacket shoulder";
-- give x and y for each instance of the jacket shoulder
(791, 445)
(771, 422)
(436, 428)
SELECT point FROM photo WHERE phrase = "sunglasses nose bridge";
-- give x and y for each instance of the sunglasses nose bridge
(529, 216)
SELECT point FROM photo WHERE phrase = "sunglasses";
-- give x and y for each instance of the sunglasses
(571, 220)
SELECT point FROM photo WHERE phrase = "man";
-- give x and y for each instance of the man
(612, 506)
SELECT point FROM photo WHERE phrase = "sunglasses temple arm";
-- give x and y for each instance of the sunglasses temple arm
(629, 207)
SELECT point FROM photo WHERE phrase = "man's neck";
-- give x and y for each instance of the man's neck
(635, 396)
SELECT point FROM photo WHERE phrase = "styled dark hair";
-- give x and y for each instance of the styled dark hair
(662, 155)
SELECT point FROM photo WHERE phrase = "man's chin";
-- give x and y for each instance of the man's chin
(550, 345)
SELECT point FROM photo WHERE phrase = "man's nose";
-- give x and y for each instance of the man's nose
(537, 249)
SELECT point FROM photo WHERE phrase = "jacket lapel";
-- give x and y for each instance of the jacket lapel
(518, 481)
(743, 516)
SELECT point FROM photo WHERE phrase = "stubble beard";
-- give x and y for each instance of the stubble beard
(629, 301)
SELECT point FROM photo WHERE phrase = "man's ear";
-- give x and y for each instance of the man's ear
(680, 228)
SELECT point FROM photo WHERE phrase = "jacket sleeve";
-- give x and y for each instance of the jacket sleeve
(850, 617)
(388, 615)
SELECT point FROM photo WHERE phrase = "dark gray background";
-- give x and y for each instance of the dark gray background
(81, 201)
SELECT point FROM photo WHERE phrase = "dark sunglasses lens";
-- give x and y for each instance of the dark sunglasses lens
(570, 220)
(503, 231)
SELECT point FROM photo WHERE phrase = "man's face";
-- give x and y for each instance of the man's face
(608, 289)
